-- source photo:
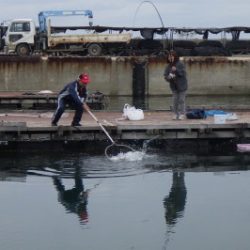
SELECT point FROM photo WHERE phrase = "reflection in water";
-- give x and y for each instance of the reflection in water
(75, 199)
(118, 215)
(174, 203)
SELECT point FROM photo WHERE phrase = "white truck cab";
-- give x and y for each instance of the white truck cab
(20, 36)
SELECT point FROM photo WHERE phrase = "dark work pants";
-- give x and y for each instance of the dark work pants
(61, 105)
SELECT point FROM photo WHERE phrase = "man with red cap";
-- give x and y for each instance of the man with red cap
(73, 94)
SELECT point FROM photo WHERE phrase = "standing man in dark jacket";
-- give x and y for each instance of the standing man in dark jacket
(74, 94)
(175, 74)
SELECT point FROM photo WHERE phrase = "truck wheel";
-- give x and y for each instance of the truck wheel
(94, 49)
(23, 50)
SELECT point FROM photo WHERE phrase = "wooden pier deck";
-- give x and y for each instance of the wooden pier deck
(33, 126)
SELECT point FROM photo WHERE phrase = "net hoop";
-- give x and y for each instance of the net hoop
(121, 146)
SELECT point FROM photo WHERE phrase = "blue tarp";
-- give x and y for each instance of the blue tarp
(215, 112)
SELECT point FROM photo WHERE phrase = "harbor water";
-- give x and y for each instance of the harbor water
(113, 103)
(72, 200)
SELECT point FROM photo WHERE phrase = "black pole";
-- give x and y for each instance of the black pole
(139, 84)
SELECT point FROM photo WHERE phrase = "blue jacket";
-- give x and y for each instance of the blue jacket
(74, 90)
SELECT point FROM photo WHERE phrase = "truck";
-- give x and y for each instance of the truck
(24, 38)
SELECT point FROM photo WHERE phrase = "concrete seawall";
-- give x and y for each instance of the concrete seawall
(118, 75)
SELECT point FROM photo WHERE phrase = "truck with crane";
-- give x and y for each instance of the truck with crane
(24, 38)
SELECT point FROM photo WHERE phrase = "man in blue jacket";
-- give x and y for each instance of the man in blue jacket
(73, 94)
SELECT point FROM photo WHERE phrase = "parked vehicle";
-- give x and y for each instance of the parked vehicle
(24, 38)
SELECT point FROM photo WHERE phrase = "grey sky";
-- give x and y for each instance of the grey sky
(178, 13)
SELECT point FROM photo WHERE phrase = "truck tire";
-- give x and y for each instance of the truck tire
(94, 49)
(23, 50)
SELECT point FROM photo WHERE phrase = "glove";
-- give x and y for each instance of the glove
(171, 76)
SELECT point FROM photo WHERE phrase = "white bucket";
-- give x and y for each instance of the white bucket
(220, 119)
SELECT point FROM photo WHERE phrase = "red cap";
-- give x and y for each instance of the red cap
(84, 78)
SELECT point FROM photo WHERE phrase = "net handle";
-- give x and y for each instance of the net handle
(104, 130)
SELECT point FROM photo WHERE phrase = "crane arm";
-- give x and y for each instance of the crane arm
(42, 16)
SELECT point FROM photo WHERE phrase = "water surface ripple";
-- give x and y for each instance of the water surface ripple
(78, 201)
(100, 166)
